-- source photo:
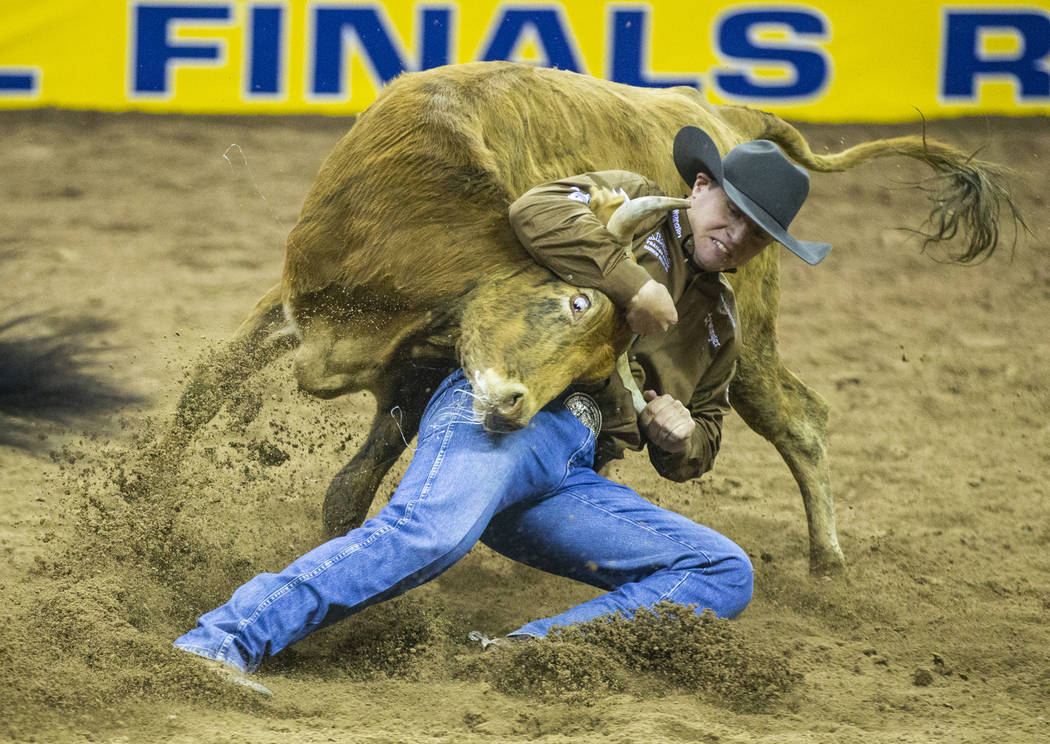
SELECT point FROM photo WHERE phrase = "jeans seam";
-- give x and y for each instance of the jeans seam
(576, 495)
(569, 464)
(219, 656)
(674, 588)
(224, 647)
(349, 550)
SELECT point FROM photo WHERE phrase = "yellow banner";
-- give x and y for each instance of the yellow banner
(834, 60)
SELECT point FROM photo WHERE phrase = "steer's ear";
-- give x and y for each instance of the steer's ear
(604, 202)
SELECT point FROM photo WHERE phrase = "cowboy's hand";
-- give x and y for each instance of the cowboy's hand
(666, 422)
(651, 310)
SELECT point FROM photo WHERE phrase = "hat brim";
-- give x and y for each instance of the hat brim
(695, 152)
(809, 251)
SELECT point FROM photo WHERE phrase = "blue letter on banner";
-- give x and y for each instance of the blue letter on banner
(549, 28)
(18, 80)
(331, 25)
(264, 62)
(436, 23)
(963, 63)
(811, 67)
(152, 50)
(630, 50)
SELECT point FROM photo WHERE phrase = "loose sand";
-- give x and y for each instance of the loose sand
(139, 242)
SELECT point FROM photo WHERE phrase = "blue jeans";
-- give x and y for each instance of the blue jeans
(531, 495)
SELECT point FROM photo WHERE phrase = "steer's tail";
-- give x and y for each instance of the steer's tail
(216, 377)
(967, 193)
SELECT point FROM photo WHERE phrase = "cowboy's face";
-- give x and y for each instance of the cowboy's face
(723, 236)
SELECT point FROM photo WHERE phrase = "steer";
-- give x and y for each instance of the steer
(403, 243)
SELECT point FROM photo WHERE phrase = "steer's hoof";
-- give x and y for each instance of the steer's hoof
(827, 564)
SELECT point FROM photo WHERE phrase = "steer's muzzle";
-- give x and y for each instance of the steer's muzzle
(500, 424)
(500, 403)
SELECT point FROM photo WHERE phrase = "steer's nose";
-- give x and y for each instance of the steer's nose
(512, 400)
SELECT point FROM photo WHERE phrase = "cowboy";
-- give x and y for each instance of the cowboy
(535, 495)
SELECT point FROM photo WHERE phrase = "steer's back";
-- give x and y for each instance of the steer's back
(412, 202)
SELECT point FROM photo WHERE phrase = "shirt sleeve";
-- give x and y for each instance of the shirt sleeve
(555, 224)
(708, 406)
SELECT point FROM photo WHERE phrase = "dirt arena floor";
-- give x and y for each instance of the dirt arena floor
(131, 244)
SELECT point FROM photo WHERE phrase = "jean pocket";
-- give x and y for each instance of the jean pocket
(583, 457)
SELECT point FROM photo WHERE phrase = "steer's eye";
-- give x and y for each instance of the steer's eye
(580, 304)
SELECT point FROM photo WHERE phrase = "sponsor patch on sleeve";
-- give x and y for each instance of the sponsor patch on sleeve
(581, 196)
(727, 311)
(711, 335)
(676, 222)
(656, 245)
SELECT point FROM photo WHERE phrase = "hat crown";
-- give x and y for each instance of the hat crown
(762, 173)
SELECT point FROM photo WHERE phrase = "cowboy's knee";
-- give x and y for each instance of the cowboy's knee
(738, 579)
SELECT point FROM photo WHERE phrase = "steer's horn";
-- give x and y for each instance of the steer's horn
(633, 212)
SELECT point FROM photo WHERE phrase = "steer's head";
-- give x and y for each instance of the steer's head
(524, 339)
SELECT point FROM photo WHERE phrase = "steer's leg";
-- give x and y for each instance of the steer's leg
(399, 407)
(794, 419)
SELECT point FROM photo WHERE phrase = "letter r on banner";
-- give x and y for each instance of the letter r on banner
(965, 60)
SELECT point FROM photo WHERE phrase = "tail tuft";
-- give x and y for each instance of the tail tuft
(968, 196)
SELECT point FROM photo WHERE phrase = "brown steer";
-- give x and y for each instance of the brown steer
(404, 242)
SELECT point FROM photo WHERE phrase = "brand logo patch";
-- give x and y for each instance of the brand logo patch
(656, 245)
(676, 222)
(583, 407)
(580, 196)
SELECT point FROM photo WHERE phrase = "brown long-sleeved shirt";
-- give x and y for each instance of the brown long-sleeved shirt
(693, 362)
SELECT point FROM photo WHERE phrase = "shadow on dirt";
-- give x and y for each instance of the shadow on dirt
(48, 376)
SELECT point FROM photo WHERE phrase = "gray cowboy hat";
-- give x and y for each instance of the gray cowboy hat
(758, 178)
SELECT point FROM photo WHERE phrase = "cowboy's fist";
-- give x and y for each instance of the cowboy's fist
(651, 310)
(666, 422)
